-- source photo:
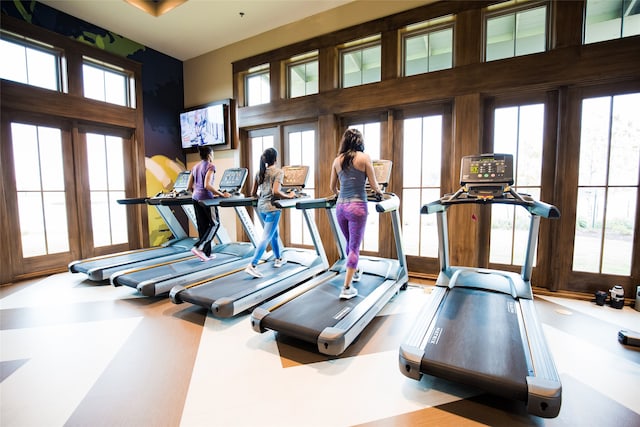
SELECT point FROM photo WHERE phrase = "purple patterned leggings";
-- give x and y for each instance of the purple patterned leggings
(352, 219)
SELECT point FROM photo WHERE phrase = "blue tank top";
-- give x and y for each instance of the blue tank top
(352, 185)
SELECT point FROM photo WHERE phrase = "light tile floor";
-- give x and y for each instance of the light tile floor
(76, 353)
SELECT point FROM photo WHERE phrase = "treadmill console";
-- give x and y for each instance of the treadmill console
(295, 178)
(182, 181)
(233, 179)
(382, 169)
(487, 175)
(487, 168)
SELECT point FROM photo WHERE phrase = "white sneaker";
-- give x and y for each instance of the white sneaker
(357, 275)
(197, 252)
(279, 262)
(253, 271)
(348, 293)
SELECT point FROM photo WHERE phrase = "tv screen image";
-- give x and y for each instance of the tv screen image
(203, 126)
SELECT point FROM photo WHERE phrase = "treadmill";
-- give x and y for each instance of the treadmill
(101, 267)
(313, 311)
(480, 326)
(160, 278)
(237, 291)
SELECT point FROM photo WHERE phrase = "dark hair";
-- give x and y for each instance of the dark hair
(205, 150)
(267, 158)
(352, 141)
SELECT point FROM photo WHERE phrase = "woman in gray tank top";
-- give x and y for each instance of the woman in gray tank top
(349, 174)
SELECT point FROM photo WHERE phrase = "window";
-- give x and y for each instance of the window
(301, 146)
(422, 159)
(302, 74)
(426, 48)
(257, 84)
(516, 33)
(30, 63)
(106, 185)
(361, 62)
(611, 19)
(518, 130)
(105, 83)
(607, 185)
(39, 175)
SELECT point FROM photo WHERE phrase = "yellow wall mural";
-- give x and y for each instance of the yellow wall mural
(161, 173)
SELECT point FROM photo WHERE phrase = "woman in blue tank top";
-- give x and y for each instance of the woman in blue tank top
(349, 173)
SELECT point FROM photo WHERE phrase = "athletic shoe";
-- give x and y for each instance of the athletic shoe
(348, 293)
(197, 252)
(210, 257)
(279, 262)
(357, 275)
(253, 271)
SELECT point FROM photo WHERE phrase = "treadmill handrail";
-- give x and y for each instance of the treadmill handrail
(239, 201)
(390, 202)
(133, 201)
(535, 207)
(217, 199)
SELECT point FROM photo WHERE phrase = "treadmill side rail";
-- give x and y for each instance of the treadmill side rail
(413, 347)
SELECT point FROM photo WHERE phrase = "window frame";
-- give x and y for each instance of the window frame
(57, 53)
(449, 22)
(301, 60)
(359, 46)
(514, 7)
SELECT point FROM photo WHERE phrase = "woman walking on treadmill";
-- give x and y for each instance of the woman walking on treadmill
(269, 183)
(351, 169)
(201, 186)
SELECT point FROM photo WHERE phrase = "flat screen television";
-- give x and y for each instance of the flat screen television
(206, 125)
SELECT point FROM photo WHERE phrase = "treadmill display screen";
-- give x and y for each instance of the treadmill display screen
(487, 168)
(181, 181)
(233, 178)
(295, 176)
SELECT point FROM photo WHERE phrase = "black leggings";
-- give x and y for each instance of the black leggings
(208, 223)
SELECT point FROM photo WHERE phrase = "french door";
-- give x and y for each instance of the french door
(61, 185)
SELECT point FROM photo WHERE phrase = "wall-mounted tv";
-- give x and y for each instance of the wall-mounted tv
(206, 125)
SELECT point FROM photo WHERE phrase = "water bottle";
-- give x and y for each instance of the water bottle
(617, 296)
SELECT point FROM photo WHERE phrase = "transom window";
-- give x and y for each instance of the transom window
(107, 83)
(257, 84)
(30, 62)
(607, 185)
(516, 32)
(428, 46)
(361, 62)
(302, 73)
(611, 19)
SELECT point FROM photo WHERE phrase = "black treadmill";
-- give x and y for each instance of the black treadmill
(159, 278)
(480, 325)
(233, 293)
(313, 311)
(101, 267)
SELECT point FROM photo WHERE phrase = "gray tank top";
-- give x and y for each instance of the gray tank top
(352, 185)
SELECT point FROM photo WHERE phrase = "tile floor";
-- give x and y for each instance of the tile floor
(73, 353)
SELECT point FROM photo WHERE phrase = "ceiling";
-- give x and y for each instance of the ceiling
(192, 27)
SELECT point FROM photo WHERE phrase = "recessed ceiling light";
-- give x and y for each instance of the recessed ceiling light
(156, 7)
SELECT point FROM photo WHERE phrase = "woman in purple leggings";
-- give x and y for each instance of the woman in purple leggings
(349, 173)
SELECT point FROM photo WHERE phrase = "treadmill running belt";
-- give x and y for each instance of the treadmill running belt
(318, 308)
(476, 340)
(172, 269)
